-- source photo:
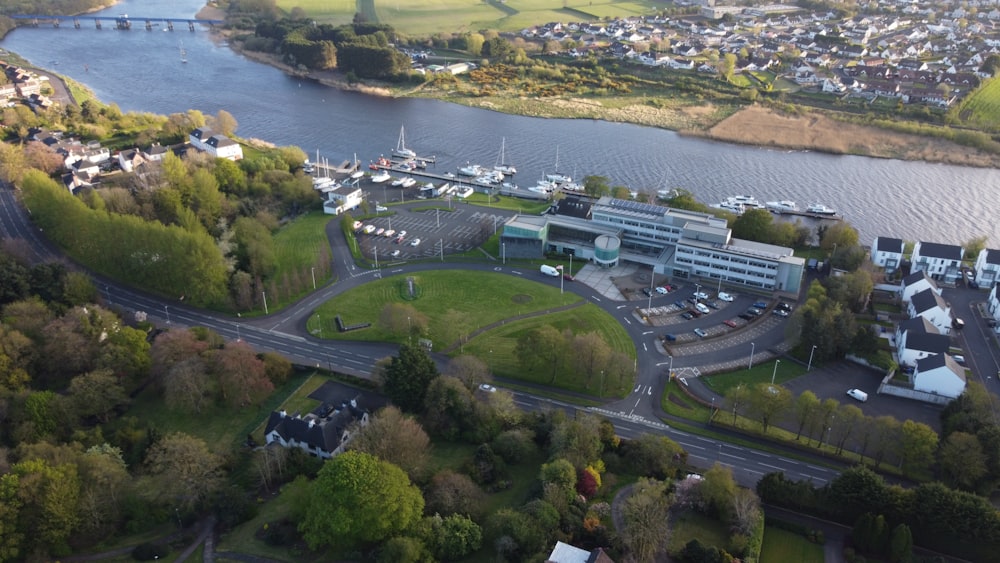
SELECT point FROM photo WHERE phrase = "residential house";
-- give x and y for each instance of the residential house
(219, 146)
(887, 253)
(915, 325)
(130, 160)
(324, 434)
(915, 283)
(566, 553)
(155, 152)
(932, 307)
(941, 261)
(939, 374)
(987, 267)
(917, 345)
(7, 91)
(993, 307)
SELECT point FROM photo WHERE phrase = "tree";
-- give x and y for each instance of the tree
(577, 440)
(849, 417)
(736, 399)
(727, 65)
(242, 379)
(767, 402)
(497, 49)
(49, 496)
(224, 123)
(186, 386)
(96, 394)
(645, 514)
(886, 438)
(806, 409)
(394, 437)
(404, 550)
(840, 235)
(402, 319)
(654, 456)
(901, 545)
(961, 461)
(185, 472)
(745, 510)
(918, 444)
(452, 537)
(408, 376)
(104, 482)
(596, 186)
(717, 489)
(542, 349)
(11, 537)
(592, 355)
(358, 499)
(753, 224)
(454, 493)
(561, 474)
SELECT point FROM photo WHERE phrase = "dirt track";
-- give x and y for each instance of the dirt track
(764, 127)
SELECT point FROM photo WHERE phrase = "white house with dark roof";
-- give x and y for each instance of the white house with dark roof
(131, 159)
(915, 283)
(887, 253)
(939, 375)
(917, 345)
(320, 436)
(216, 145)
(987, 267)
(932, 307)
(916, 325)
(993, 306)
(941, 261)
(341, 198)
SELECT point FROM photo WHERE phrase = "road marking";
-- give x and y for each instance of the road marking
(734, 456)
(662, 364)
(621, 306)
(497, 269)
(396, 270)
(648, 332)
(596, 298)
(771, 467)
(626, 320)
(650, 390)
(518, 273)
(637, 387)
(637, 402)
(644, 347)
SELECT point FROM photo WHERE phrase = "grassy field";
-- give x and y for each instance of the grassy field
(426, 17)
(781, 546)
(981, 110)
(691, 525)
(298, 243)
(478, 299)
(761, 373)
(498, 348)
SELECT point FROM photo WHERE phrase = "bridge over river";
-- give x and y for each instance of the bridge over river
(122, 22)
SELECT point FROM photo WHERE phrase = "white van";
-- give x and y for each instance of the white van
(549, 270)
(857, 394)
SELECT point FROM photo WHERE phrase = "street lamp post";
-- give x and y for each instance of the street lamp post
(314, 276)
(775, 372)
(503, 252)
(811, 352)
(652, 279)
(264, 295)
(375, 248)
(697, 290)
(166, 311)
(670, 368)
(750, 364)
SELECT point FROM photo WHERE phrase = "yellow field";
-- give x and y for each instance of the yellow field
(426, 17)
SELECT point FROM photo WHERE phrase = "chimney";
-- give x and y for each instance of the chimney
(283, 413)
(312, 422)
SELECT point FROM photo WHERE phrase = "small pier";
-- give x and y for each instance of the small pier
(122, 22)
(800, 213)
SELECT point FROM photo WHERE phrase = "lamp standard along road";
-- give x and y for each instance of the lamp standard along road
(775, 372)
(752, 346)
(811, 352)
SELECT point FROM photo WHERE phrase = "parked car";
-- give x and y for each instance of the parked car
(647, 292)
(694, 313)
(857, 394)
(745, 317)
(394, 254)
(415, 242)
(701, 295)
(700, 332)
(960, 359)
(680, 304)
(662, 290)
(692, 300)
(753, 312)
(488, 388)
(781, 312)
(760, 305)
(568, 277)
(669, 337)
(730, 323)
(785, 307)
(701, 308)
(726, 297)
(686, 315)
(712, 304)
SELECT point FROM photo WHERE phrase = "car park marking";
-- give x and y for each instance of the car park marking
(516, 272)
(626, 320)
(647, 332)
(596, 298)
(621, 306)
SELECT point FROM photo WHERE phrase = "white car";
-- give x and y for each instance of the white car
(701, 295)
(662, 290)
(702, 308)
(858, 395)
(415, 242)
(488, 388)
(725, 297)
(394, 254)
(402, 233)
(959, 359)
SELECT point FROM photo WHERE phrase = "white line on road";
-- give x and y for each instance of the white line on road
(621, 306)
(734, 456)
(596, 298)
(662, 364)
(772, 467)
(647, 332)
(650, 390)
(626, 320)
(637, 387)
(637, 402)
(644, 347)
(516, 272)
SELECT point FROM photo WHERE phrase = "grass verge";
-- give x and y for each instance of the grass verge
(781, 546)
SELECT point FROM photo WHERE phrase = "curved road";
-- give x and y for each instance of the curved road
(285, 333)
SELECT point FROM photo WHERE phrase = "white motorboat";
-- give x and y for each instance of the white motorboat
(748, 202)
(820, 209)
(783, 206)
(470, 170)
(727, 205)
(381, 177)
(401, 150)
(398, 182)
(556, 176)
(501, 166)
(408, 182)
(488, 181)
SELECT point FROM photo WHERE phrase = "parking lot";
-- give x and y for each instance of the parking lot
(457, 230)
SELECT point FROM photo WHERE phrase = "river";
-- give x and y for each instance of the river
(142, 71)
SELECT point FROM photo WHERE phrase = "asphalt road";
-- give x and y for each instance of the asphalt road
(285, 332)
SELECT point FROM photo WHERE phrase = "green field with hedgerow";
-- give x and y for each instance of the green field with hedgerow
(981, 110)
(427, 17)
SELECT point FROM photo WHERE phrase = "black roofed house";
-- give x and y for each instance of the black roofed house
(321, 436)
(940, 261)
(939, 375)
(887, 253)
(987, 267)
(917, 345)
(914, 325)
(932, 307)
(216, 145)
(915, 283)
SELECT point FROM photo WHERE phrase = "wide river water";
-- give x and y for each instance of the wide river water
(142, 71)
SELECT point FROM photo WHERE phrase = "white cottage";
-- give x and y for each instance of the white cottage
(932, 307)
(940, 375)
(887, 253)
(915, 283)
(940, 261)
(987, 267)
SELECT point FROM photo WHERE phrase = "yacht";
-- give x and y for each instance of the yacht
(783, 206)
(470, 170)
(401, 150)
(408, 182)
(398, 182)
(559, 178)
(748, 202)
(381, 177)
(484, 180)
(501, 165)
(820, 209)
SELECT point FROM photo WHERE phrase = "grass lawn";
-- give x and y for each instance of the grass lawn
(475, 299)
(692, 525)
(222, 428)
(498, 348)
(243, 538)
(298, 247)
(674, 401)
(509, 203)
(781, 546)
(761, 373)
